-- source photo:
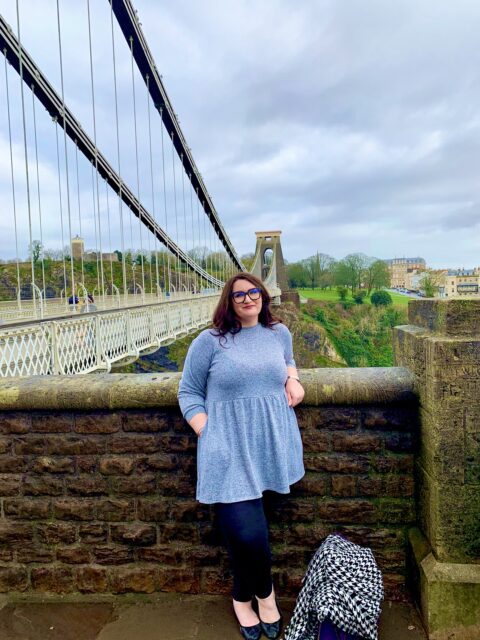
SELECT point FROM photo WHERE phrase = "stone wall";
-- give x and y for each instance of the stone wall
(441, 347)
(97, 483)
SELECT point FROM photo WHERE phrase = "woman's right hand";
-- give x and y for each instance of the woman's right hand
(198, 423)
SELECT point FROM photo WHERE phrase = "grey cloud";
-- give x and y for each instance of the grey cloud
(344, 124)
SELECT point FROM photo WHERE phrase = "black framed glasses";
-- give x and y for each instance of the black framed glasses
(253, 294)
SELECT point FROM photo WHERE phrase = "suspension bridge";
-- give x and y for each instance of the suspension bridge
(118, 248)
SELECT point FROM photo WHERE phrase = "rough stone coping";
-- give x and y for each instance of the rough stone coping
(455, 317)
(146, 390)
(439, 571)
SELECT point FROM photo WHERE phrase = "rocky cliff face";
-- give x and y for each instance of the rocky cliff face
(311, 345)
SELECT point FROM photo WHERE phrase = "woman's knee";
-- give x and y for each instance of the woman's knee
(252, 539)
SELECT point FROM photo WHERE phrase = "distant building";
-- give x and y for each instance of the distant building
(93, 256)
(78, 252)
(414, 281)
(78, 248)
(461, 283)
(402, 269)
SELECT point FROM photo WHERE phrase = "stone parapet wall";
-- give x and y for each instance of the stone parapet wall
(441, 347)
(97, 483)
(447, 370)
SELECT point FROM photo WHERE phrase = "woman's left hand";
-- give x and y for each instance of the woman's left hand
(295, 392)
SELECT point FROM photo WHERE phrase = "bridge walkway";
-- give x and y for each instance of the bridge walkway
(88, 342)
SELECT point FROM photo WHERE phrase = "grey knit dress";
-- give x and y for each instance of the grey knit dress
(251, 441)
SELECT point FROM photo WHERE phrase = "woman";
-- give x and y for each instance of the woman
(237, 392)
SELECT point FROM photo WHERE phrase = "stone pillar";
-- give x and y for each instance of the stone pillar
(441, 346)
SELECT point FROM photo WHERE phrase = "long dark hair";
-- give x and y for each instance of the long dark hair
(225, 319)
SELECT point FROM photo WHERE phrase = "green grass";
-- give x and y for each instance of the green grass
(331, 295)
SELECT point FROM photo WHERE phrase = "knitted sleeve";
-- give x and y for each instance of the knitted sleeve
(193, 385)
(286, 339)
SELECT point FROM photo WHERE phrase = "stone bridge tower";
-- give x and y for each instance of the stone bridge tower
(270, 240)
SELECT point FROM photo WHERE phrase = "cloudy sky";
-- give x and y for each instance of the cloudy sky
(350, 125)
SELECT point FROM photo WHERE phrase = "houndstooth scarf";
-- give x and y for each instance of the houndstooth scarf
(342, 583)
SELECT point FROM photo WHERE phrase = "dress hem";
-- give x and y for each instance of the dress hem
(256, 496)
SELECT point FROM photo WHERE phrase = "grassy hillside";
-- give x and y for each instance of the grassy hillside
(361, 334)
(55, 277)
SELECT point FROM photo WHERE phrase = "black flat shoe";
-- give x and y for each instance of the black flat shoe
(251, 633)
(272, 630)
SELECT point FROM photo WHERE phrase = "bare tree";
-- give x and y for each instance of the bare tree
(325, 264)
(312, 269)
(34, 250)
(53, 254)
(199, 254)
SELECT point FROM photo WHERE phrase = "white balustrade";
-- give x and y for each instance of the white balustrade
(82, 343)
(12, 311)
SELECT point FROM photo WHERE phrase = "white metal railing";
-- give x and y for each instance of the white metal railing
(93, 341)
(13, 311)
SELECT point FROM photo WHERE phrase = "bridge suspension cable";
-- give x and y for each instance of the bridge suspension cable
(12, 173)
(157, 282)
(25, 150)
(67, 176)
(60, 209)
(42, 250)
(129, 24)
(120, 198)
(197, 256)
(53, 103)
(136, 166)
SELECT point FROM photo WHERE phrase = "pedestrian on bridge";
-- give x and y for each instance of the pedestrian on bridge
(89, 306)
(238, 389)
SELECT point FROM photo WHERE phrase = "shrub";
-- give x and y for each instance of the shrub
(361, 334)
(90, 268)
(359, 295)
(381, 298)
(392, 317)
(342, 292)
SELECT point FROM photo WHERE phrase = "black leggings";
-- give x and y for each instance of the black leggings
(245, 530)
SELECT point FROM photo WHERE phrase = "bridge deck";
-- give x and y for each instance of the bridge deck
(87, 342)
(24, 311)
